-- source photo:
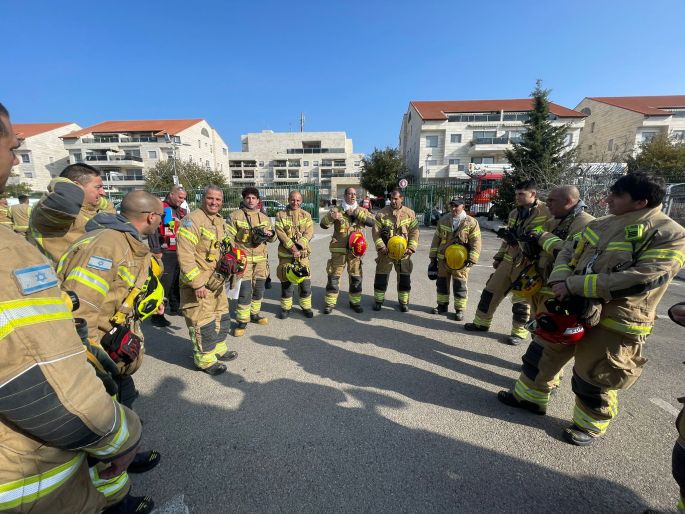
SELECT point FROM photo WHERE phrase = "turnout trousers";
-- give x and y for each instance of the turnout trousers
(334, 268)
(496, 288)
(208, 322)
(287, 289)
(251, 290)
(458, 278)
(384, 266)
(605, 362)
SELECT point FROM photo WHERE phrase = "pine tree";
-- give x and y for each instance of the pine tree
(382, 170)
(542, 155)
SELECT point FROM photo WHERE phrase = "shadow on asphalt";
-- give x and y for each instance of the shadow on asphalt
(299, 447)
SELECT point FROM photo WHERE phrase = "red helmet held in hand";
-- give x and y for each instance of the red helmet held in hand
(357, 244)
(557, 328)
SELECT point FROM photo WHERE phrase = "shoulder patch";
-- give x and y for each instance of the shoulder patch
(35, 278)
(100, 263)
(186, 223)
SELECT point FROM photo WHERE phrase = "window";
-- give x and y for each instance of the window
(483, 160)
(206, 164)
(648, 136)
(190, 158)
(152, 154)
(454, 161)
(357, 163)
(25, 158)
(306, 174)
(199, 144)
(305, 163)
(316, 163)
(261, 164)
(204, 132)
(225, 151)
(431, 141)
(592, 127)
(610, 145)
(78, 157)
(431, 162)
(28, 174)
(455, 138)
(568, 140)
(678, 135)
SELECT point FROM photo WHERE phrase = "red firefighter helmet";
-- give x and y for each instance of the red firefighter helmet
(357, 244)
(557, 328)
(232, 262)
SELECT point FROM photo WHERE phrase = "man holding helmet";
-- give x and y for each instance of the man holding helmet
(347, 247)
(610, 280)
(294, 229)
(455, 248)
(396, 236)
(250, 230)
(204, 304)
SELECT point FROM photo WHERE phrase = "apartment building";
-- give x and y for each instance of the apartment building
(326, 159)
(41, 153)
(438, 139)
(123, 150)
(617, 125)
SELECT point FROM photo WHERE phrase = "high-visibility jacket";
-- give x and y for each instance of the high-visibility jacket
(627, 262)
(5, 217)
(399, 222)
(520, 221)
(198, 249)
(20, 214)
(54, 411)
(467, 233)
(239, 232)
(102, 268)
(59, 219)
(554, 233)
(343, 227)
(293, 227)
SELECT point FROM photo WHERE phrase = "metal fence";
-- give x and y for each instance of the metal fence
(674, 203)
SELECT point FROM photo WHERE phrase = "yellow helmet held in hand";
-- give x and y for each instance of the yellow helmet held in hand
(528, 283)
(397, 247)
(296, 272)
(150, 297)
(455, 256)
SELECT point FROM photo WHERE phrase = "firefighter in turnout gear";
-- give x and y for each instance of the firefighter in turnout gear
(454, 228)
(5, 217)
(59, 219)
(346, 219)
(295, 229)
(394, 225)
(619, 268)
(514, 258)
(20, 215)
(204, 303)
(109, 269)
(677, 314)
(249, 230)
(44, 465)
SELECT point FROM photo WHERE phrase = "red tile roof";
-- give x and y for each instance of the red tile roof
(159, 127)
(648, 105)
(24, 130)
(436, 110)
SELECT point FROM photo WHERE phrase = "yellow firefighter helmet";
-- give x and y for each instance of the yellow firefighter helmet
(397, 247)
(455, 256)
(528, 283)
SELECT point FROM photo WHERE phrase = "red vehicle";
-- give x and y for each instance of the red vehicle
(486, 190)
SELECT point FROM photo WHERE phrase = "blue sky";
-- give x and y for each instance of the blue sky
(351, 66)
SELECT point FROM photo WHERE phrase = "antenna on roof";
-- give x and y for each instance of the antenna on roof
(301, 122)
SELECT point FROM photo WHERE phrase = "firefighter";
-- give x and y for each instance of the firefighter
(458, 234)
(44, 466)
(618, 269)
(567, 222)
(163, 244)
(514, 257)
(347, 219)
(294, 229)
(396, 236)
(20, 214)
(203, 299)
(249, 230)
(5, 218)
(111, 271)
(60, 217)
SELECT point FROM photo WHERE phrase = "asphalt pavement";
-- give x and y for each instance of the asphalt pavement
(391, 412)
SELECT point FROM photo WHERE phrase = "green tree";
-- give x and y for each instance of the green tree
(20, 188)
(660, 156)
(542, 155)
(382, 170)
(191, 175)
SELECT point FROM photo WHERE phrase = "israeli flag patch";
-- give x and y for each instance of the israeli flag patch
(35, 278)
(100, 263)
(187, 223)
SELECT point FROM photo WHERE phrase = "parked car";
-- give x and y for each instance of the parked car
(272, 207)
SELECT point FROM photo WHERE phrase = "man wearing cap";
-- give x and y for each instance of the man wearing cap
(512, 259)
(454, 228)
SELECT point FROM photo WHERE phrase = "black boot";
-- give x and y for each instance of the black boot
(440, 309)
(144, 461)
(472, 327)
(130, 505)
(327, 309)
(357, 308)
(308, 313)
(404, 307)
(215, 369)
(284, 314)
(459, 315)
(228, 356)
(377, 306)
(508, 398)
(577, 436)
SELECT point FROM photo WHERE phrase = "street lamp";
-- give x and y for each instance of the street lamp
(175, 142)
(428, 156)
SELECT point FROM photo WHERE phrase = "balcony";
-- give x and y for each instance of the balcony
(116, 160)
(314, 150)
(492, 144)
(290, 175)
(118, 139)
(243, 174)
